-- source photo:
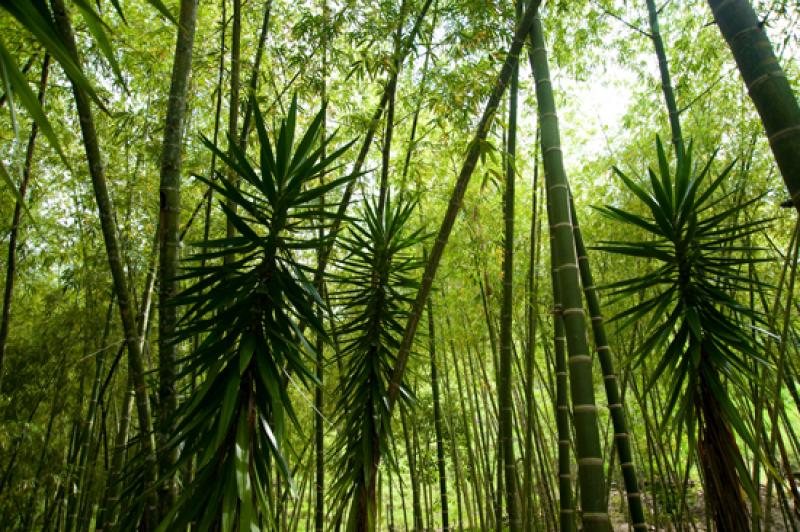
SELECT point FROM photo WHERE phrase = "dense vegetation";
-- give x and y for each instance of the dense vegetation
(290, 266)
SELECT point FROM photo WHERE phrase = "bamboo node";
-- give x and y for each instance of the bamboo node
(590, 461)
(750, 29)
(560, 224)
(574, 310)
(594, 516)
(783, 133)
(549, 149)
(763, 78)
(584, 409)
(580, 359)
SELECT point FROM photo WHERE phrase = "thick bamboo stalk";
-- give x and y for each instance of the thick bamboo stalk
(587, 437)
(767, 85)
(610, 380)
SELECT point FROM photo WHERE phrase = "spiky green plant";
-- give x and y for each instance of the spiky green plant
(249, 310)
(379, 282)
(696, 325)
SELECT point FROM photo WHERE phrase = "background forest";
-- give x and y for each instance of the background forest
(278, 265)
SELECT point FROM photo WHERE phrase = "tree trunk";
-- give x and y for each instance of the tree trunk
(616, 408)
(718, 454)
(169, 244)
(505, 401)
(233, 108)
(767, 85)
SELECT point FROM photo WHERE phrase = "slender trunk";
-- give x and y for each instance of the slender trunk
(416, 504)
(505, 406)
(169, 212)
(106, 212)
(11, 264)
(530, 352)
(319, 399)
(233, 108)
(666, 83)
(362, 154)
(386, 153)
(437, 420)
(565, 498)
(587, 436)
(107, 514)
(253, 84)
(767, 85)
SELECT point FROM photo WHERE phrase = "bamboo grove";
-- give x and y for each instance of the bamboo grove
(411, 265)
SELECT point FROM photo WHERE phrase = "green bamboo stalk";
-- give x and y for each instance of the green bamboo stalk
(610, 379)
(587, 437)
(666, 83)
(531, 289)
(412, 468)
(566, 504)
(233, 106)
(767, 85)
(437, 421)
(169, 256)
(11, 263)
(505, 421)
(106, 211)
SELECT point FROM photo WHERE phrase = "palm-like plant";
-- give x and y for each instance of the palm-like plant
(249, 311)
(695, 318)
(379, 283)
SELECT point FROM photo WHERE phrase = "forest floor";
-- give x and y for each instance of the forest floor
(695, 519)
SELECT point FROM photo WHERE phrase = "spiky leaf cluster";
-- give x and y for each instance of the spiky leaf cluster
(380, 279)
(248, 311)
(696, 237)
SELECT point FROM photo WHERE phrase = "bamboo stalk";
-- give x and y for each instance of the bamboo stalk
(587, 437)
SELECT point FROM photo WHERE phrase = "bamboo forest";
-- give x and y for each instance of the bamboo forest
(400, 265)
